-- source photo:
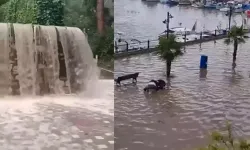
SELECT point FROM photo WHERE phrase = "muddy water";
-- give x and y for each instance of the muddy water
(181, 116)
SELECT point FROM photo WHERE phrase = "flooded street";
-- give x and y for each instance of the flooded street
(194, 103)
(181, 116)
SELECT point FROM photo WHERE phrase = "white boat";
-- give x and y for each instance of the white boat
(184, 2)
(238, 8)
(191, 37)
(197, 5)
(181, 31)
(226, 9)
(152, 0)
(163, 1)
(178, 31)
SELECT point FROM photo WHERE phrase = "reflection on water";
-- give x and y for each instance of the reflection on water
(194, 103)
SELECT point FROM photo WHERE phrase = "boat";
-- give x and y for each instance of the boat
(163, 1)
(225, 9)
(184, 2)
(181, 31)
(197, 5)
(172, 2)
(238, 8)
(151, 0)
(219, 6)
(210, 6)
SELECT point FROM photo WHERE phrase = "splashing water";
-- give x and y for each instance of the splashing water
(49, 81)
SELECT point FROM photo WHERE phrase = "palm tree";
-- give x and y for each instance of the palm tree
(168, 50)
(236, 36)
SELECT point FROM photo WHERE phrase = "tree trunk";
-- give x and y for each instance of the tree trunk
(168, 69)
(100, 16)
(235, 52)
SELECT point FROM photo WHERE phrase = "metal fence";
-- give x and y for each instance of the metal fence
(125, 46)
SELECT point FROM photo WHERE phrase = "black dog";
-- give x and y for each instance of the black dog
(133, 76)
(159, 84)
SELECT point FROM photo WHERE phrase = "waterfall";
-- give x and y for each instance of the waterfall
(40, 60)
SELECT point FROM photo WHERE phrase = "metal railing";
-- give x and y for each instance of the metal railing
(200, 37)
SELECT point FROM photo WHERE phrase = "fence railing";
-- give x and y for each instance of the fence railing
(184, 39)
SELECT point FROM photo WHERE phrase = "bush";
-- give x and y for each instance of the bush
(226, 141)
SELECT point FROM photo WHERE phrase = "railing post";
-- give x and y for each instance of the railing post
(215, 32)
(116, 47)
(148, 44)
(127, 45)
(201, 36)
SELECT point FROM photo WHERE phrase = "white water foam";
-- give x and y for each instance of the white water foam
(29, 120)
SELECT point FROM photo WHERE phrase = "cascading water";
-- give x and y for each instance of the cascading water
(58, 96)
(44, 60)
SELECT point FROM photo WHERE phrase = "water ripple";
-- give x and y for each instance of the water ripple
(191, 106)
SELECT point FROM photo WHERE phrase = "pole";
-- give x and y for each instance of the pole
(230, 16)
(167, 23)
(100, 16)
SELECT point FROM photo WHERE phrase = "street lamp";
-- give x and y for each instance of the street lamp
(229, 14)
(166, 21)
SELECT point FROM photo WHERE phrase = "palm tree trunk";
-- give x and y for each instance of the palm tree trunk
(168, 67)
(235, 52)
(100, 16)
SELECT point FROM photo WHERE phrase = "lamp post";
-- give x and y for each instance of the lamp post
(166, 21)
(229, 14)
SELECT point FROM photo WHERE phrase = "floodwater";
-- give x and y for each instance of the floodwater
(143, 20)
(59, 122)
(193, 104)
(57, 63)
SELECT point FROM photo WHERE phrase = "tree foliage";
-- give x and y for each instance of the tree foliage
(20, 11)
(50, 12)
(226, 141)
(236, 33)
(168, 48)
(236, 36)
(75, 13)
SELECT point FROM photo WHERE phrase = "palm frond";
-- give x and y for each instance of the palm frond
(236, 33)
(241, 40)
(168, 48)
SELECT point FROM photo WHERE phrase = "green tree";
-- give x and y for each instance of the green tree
(236, 36)
(74, 13)
(226, 141)
(3, 2)
(50, 12)
(20, 11)
(168, 50)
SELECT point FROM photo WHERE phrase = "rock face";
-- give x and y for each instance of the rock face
(38, 60)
